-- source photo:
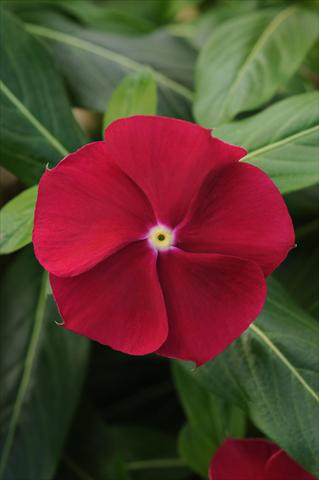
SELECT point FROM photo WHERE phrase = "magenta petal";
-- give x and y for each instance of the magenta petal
(281, 467)
(241, 460)
(210, 300)
(118, 303)
(168, 159)
(87, 208)
(239, 211)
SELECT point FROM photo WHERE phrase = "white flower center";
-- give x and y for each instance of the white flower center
(161, 237)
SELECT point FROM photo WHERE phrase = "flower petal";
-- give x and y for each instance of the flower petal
(87, 208)
(168, 159)
(239, 211)
(241, 459)
(118, 303)
(281, 467)
(210, 300)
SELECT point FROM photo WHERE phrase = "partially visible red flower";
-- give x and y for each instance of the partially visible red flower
(158, 240)
(254, 459)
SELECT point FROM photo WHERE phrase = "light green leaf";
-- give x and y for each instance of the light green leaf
(211, 420)
(42, 369)
(247, 59)
(94, 63)
(16, 220)
(283, 140)
(135, 95)
(271, 371)
(196, 449)
(37, 126)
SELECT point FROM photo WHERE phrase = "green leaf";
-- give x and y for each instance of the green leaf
(37, 125)
(16, 219)
(199, 29)
(41, 373)
(99, 16)
(312, 63)
(271, 371)
(196, 449)
(135, 95)
(247, 59)
(211, 420)
(94, 63)
(282, 140)
(116, 18)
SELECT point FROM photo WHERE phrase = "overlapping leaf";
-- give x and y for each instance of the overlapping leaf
(135, 95)
(94, 63)
(210, 420)
(41, 373)
(272, 372)
(37, 126)
(283, 140)
(247, 58)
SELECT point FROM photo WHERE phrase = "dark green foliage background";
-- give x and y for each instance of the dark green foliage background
(73, 409)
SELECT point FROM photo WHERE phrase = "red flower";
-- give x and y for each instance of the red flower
(158, 239)
(254, 459)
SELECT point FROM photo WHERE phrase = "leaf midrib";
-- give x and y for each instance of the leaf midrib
(262, 40)
(26, 375)
(104, 52)
(280, 143)
(25, 112)
(265, 339)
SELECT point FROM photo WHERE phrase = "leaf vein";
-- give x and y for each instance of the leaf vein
(259, 333)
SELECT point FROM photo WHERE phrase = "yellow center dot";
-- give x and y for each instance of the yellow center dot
(161, 237)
